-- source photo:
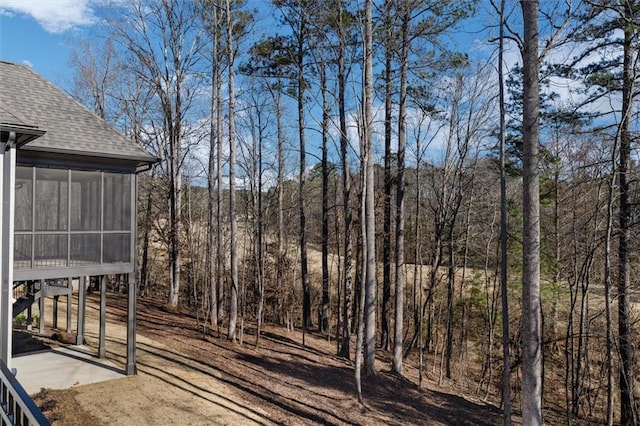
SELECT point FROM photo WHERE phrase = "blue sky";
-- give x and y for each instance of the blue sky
(23, 41)
(39, 33)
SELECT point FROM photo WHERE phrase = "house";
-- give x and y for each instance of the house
(69, 188)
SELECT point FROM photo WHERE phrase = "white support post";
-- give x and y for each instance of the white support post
(69, 303)
(82, 291)
(131, 368)
(102, 348)
(41, 307)
(54, 321)
(132, 284)
(8, 179)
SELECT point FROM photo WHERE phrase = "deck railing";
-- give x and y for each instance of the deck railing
(17, 407)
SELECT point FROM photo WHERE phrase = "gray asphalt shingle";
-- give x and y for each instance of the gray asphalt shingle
(26, 98)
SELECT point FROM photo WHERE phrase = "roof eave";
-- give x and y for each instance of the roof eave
(141, 160)
(24, 134)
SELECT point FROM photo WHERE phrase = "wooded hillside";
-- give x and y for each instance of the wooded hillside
(452, 184)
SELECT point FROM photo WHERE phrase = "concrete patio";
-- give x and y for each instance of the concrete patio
(62, 368)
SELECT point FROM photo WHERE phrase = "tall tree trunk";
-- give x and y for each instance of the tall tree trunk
(504, 232)
(260, 246)
(175, 200)
(175, 206)
(628, 412)
(433, 278)
(220, 252)
(417, 256)
(463, 352)
(148, 215)
(173, 118)
(531, 310)
(233, 306)
(369, 217)
(570, 358)
(363, 261)
(281, 232)
(214, 139)
(448, 346)
(326, 307)
(346, 189)
(304, 265)
(359, 339)
(608, 284)
(386, 230)
(338, 256)
(402, 118)
(418, 268)
(360, 334)
(359, 273)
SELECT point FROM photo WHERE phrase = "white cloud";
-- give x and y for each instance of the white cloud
(27, 63)
(55, 16)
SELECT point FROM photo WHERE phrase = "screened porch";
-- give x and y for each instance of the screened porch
(72, 222)
(68, 214)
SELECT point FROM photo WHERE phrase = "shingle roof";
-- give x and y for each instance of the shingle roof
(8, 117)
(27, 99)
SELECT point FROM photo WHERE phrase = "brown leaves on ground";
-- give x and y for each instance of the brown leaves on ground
(280, 382)
(61, 408)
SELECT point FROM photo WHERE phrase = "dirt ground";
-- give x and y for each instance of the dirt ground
(185, 378)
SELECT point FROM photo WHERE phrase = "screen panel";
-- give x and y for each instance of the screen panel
(52, 199)
(85, 249)
(86, 202)
(50, 250)
(22, 251)
(117, 248)
(23, 218)
(72, 218)
(117, 202)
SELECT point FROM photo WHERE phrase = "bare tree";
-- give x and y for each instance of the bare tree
(163, 41)
(405, 16)
(325, 315)
(369, 212)
(212, 21)
(95, 80)
(295, 15)
(506, 363)
(346, 180)
(389, 49)
(233, 307)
